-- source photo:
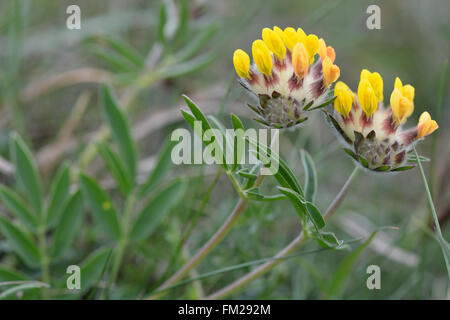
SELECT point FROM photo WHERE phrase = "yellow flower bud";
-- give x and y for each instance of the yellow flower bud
(401, 106)
(367, 97)
(426, 125)
(241, 62)
(301, 35)
(376, 81)
(262, 57)
(274, 43)
(300, 60)
(344, 98)
(325, 51)
(312, 46)
(331, 72)
(291, 38)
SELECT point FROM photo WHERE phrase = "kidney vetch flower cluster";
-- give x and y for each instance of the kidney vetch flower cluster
(285, 75)
(372, 132)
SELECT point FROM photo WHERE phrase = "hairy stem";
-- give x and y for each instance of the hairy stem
(291, 247)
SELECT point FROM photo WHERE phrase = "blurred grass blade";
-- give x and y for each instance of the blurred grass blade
(59, 192)
(196, 44)
(343, 271)
(442, 241)
(120, 131)
(26, 171)
(16, 205)
(188, 67)
(117, 63)
(100, 206)
(162, 24)
(68, 225)
(92, 268)
(311, 176)
(121, 48)
(20, 242)
(156, 209)
(183, 23)
(116, 167)
(22, 287)
(162, 166)
(11, 275)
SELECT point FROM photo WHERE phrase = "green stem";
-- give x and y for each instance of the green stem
(123, 242)
(294, 245)
(45, 261)
(207, 247)
(433, 211)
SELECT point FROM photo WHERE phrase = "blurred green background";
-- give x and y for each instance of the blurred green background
(39, 89)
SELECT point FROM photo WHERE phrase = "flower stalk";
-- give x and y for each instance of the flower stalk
(301, 239)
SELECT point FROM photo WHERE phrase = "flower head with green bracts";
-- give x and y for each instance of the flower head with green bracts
(286, 76)
(372, 133)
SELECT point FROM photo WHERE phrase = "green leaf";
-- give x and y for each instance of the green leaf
(184, 20)
(188, 67)
(403, 168)
(163, 164)
(26, 171)
(302, 207)
(11, 275)
(120, 131)
(254, 194)
(121, 48)
(116, 167)
(156, 209)
(115, 61)
(296, 200)
(20, 242)
(237, 123)
(311, 176)
(68, 225)
(238, 138)
(346, 266)
(190, 119)
(100, 206)
(162, 24)
(16, 205)
(315, 215)
(284, 175)
(329, 240)
(92, 268)
(196, 44)
(59, 192)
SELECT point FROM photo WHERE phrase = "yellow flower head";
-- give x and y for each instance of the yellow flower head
(283, 73)
(274, 43)
(300, 60)
(376, 81)
(262, 57)
(331, 72)
(426, 125)
(241, 62)
(344, 98)
(367, 97)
